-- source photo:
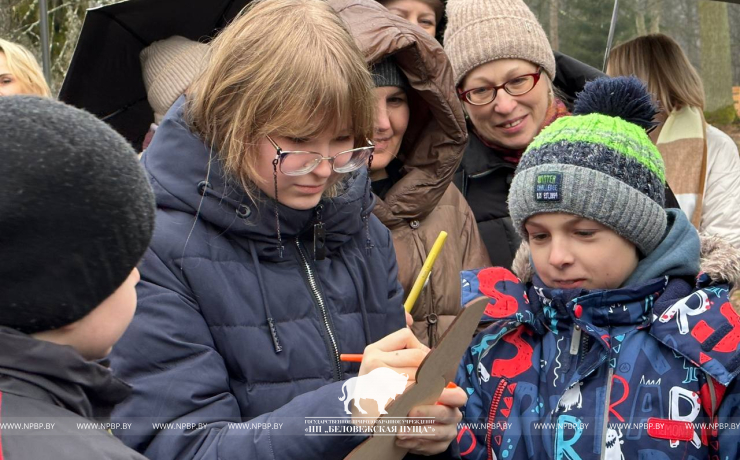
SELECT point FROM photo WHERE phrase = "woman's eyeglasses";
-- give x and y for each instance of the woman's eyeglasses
(299, 162)
(517, 86)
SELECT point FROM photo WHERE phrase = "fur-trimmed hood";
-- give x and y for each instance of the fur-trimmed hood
(719, 260)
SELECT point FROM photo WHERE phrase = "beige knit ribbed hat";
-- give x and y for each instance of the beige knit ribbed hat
(169, 66)
(481, 31)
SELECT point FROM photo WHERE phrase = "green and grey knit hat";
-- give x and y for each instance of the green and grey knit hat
(599, 164)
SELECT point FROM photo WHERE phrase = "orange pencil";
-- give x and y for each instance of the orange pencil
(350, 358)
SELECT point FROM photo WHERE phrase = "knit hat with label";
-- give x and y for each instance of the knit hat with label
(599, 164)
(76, 216)
(169, 66)
(481, 31)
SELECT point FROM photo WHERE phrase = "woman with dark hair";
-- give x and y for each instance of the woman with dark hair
(419, 139)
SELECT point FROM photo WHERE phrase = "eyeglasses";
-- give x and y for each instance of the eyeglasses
(299, 162)
(517, 86)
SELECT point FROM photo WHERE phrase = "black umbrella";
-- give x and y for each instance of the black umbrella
(104, 76)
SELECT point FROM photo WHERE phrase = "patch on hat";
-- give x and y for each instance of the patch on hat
(548, 186)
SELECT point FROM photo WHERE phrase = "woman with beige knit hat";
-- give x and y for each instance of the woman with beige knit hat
(503, 67)
(169, 67)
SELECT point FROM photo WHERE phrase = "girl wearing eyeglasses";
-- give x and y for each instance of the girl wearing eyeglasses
(267, 262)
(503, 67)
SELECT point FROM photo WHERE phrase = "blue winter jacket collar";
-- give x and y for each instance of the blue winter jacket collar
(676, 255)
(200, 187)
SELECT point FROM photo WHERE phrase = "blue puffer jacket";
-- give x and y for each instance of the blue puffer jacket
(228, 331)
(616, 374)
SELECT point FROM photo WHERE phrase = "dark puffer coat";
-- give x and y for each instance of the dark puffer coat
(228, 331)
(484, 178)
(54, 404)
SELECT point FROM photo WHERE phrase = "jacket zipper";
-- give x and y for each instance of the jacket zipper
(606, 410)
(337, 366)
(492, 412)
(584, 349)
(575, 340)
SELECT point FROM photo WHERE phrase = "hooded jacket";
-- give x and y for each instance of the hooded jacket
(54, 404)
(233, 346)
(640, 371)
(423, 201)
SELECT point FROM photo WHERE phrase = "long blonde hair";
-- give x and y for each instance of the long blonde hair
(23, 65)
(660, 62)
(285, 67)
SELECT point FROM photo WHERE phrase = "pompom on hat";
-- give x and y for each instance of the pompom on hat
(481, 31)
(599, 164)
(76, 216)
(168, 67)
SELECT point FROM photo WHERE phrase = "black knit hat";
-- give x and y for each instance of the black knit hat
(387, 73)
(76, 213)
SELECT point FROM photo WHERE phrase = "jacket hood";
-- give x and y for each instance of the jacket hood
(58, 374)
(719, 260)
(676, 255)
(435, 140)
(188, 176)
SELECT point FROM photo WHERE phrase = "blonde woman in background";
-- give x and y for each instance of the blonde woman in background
(19, 72)
(702, 162)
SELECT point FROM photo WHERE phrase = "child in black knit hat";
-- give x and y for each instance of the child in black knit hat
(76, 216)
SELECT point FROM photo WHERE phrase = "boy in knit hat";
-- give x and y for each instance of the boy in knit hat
(76, 216)
(617, 347)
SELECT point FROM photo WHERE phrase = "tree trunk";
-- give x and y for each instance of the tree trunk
(654, 9)
(554, 24)
(640, 9)
(640, 23)
(716, 60)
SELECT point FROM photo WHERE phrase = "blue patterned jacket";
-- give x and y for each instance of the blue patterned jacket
(642, 372)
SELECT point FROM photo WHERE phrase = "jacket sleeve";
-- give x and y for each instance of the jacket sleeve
(180, 380)
(720, 215)
(396, 317)
(728, 422)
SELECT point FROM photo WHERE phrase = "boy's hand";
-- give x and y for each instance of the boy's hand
(437, 436)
